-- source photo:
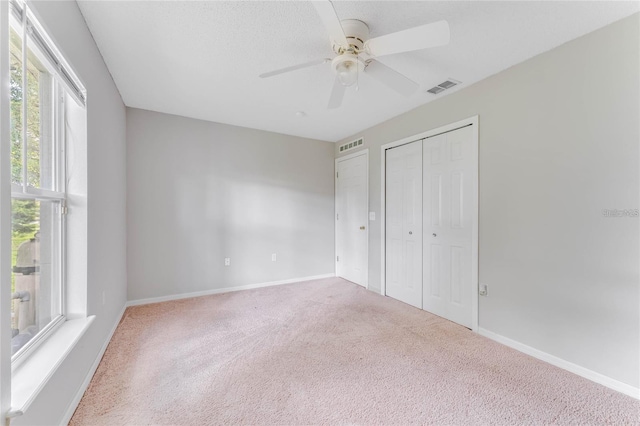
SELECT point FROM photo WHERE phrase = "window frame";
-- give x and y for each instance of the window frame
(58, 193)
(21, 384)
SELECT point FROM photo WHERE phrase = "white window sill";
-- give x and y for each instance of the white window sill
(28, 379)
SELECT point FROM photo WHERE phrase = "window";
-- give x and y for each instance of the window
(40, 84)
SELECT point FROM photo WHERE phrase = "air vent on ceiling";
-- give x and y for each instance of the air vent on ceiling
(351, 145)
(448, 84)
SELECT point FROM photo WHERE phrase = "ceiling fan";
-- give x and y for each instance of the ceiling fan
(356, 52)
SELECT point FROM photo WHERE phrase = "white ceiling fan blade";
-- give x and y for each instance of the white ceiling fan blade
(391, 78)
(331, 22)
(422, 37)
(337, 94)
(295, 67)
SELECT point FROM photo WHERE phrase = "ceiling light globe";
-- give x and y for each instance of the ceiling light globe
(347, 72)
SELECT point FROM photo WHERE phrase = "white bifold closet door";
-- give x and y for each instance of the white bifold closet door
(448, 179)
(404, 223)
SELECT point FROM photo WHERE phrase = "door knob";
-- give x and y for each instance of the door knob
(434, 235)
(362, 228)
(410, 233)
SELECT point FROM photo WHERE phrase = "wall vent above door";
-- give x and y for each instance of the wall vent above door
(435, 90)
(351, 145)
(448, 84)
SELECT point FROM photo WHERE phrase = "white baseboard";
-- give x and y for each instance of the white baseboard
(565, 365)
(224, 290)
(85, 384)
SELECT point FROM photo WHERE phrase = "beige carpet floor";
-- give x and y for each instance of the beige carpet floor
(326, 352)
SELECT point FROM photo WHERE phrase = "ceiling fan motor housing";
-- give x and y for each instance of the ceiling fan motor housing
(357, 32)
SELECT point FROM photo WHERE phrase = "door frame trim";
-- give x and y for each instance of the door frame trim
(473, 121)
(364, 152)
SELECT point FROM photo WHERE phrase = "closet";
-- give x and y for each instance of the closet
(431, 219)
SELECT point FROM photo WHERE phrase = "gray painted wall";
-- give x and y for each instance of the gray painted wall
(199, 192)
(105, 208)
(559, 140)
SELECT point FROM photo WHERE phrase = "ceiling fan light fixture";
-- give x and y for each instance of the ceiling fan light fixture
(347, 73)
(347, 66)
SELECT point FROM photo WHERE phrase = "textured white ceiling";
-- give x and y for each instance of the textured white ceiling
(202, 59)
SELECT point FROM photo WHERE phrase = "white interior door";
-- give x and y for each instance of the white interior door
(352, 219)
(449, 174)
(404, 223)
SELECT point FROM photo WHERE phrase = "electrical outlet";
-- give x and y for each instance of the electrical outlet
(484, 289)
(227, 261)
(273, 257)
